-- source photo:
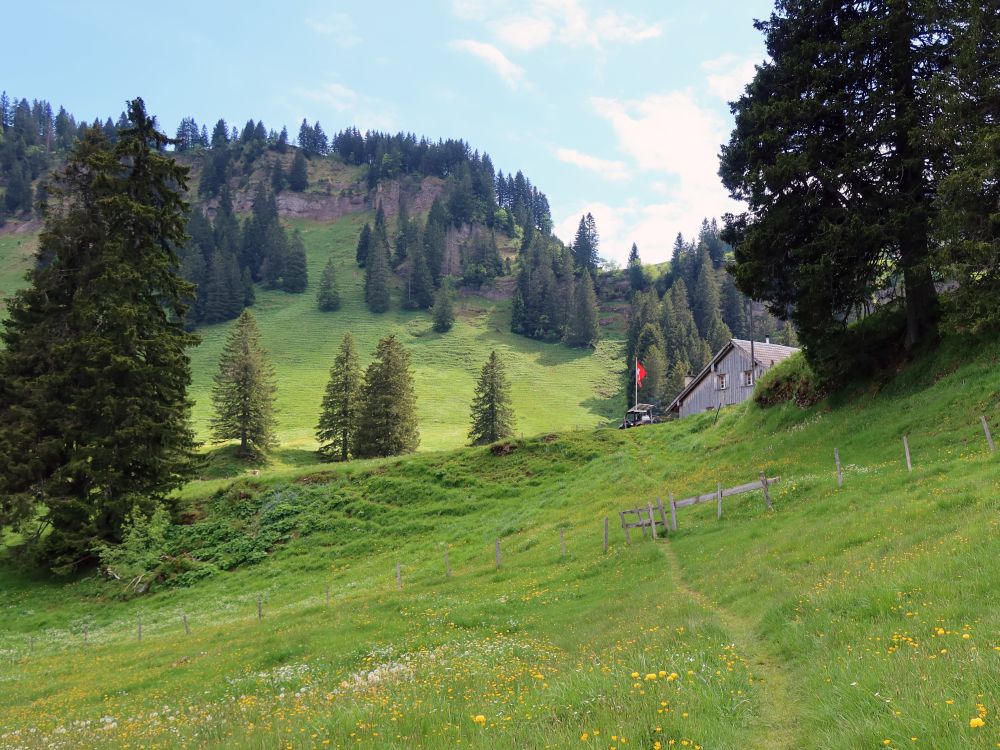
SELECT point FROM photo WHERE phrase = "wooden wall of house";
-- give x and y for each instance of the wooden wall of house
(706, 394)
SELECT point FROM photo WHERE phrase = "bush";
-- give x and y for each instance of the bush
(792, 380)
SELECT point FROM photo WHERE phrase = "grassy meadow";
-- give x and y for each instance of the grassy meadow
(16, 257)
(864, 616)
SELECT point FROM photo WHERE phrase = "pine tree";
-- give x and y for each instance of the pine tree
(243, 393)
(328, 298)
(94, 415)
(636, 275)
(650, 352)
(298, 175)
(492, 416)
(364, 243)
(341, 411)
(295, 278)
(377, 273)
(584, 326)
(389, 426)
(443, 312)
(278, 179)
(586, 243)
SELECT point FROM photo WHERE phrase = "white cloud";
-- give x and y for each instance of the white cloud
(606, 168)
(510, 73)
(729, 74)
(340, 26)
(675, 141)
(365, 112)
(523, 33)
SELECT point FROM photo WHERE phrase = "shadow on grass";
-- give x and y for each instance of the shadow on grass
(223, 463)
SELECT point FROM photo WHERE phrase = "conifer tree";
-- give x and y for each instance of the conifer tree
(94, 416)
(341, 410)
(492, 416)
(650, 353)
(586, 243)
(636, 275)
(298, 175)
(295, 278)
(377, 267)
(443, 312)
(328, 298)
(419, 284)
(389, 427)
(584, 326)
(364, 242)
(243, 393)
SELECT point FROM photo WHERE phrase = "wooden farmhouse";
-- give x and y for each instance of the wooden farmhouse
(729, 378)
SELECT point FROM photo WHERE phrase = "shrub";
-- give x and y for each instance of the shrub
(792, 380)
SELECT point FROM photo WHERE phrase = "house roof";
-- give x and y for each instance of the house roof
(765, 355)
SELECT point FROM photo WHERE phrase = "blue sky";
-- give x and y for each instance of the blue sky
(614, 108)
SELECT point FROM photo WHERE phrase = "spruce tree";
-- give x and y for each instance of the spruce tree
(584, 325)
(341, 410)
(295, 278)
(328, 298)
(650, 353)
(298, 175)
(389, 425)
(492, 416)
(94, 415)
(636, 275)
(419, 284)
(243, 393)
(443, 312)
(364, 242)
(377, 273)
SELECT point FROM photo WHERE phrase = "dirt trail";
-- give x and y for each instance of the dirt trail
(776, 727)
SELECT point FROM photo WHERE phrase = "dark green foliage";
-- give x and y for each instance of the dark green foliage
(586, 243)
(492, 416)
(584, 326)
(481, 259)
(443, 312)
(298, 175)
(389, 423)
(419, 283)
(327, 297)
(636, 275)
(377, 271)
(341, 411)
(544, 288)
(434, 238)
(295, 278)
(830, 152)
(791, 380)
(243, 393)
(93, 373)
(364, 243)
(278, 179)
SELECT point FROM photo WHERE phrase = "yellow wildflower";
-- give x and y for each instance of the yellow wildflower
(976, 722)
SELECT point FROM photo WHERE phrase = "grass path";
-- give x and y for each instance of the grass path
(778, 704)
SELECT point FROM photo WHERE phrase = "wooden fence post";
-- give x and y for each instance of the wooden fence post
(652, 520)
(906, 449)
(187, 628)
(989, 437)
(673, 511)
(496, 553)
(138, 622)
(399, 576)
(718, 499)
(836, 458)
(260, 607)
(562, 541)
(86, 628)
(628, 536)
(767, 493)
(663, 515)
(447, 564)
(31, 645)
(605, 535)
(328, 596)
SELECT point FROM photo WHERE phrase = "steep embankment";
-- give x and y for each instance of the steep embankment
(856, 616)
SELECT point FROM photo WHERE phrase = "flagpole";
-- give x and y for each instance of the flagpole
(636, 401)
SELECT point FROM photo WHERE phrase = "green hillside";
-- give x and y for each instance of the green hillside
(16, 256)
(857, 617)
(554, 387)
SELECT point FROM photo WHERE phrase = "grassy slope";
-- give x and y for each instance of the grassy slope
(16, 253)
(837, 621)
(556, 388)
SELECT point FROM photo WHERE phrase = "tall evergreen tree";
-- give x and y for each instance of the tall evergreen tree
(341, 412)
(295, 278)
(443, 312)
(830, 152)
(650, 352)
(243, 391)
(298, 175)
(492, 416)
(389, 427)
(377, 272)
(94, 415)
(419, 283)
(584, 326)
(586, 243)
(637, 280)
(364, 243)
(328, 297)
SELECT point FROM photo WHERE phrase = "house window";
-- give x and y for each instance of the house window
(720, 381)
(748, 377)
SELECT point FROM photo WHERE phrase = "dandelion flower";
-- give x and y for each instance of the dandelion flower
(976, 722)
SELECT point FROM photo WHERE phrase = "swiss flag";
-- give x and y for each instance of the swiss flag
(640, 373)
